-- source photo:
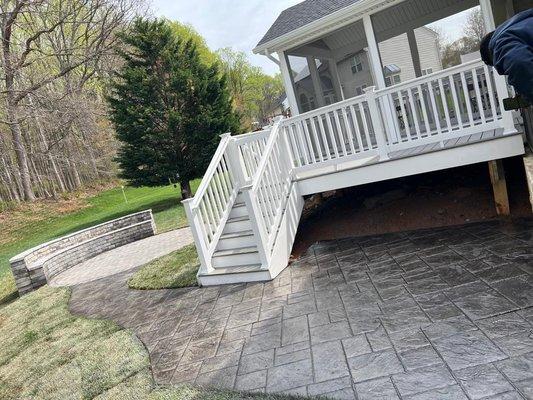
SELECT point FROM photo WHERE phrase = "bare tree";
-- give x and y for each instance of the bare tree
(51, 48)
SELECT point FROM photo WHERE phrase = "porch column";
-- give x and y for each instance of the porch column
(500, 81)
(415, 56)
(317, 86)
(336, 79)
(373, 52)
(379, 79)
(288, 82)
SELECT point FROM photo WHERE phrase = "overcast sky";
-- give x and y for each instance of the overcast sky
(240, 24)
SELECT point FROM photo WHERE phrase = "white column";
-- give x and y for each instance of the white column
(373, 52)
(379, 82)
(336, 79)
(315, 77)
(501, 82)
(288, 83)
(488, 17)
(415, 55)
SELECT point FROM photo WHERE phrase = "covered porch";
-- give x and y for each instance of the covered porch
(366, 86)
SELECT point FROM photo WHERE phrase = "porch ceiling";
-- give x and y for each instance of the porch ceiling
(388, 23)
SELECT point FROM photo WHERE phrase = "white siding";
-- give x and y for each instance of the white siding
(428, 49)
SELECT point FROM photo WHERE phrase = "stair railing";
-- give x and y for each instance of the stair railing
(209, 210)
(267, 194)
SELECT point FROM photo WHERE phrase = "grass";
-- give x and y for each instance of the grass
(36, 223)
(47, 353)
(175, 270)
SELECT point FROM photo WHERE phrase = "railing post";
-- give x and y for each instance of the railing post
(503, 92)
(235, 161)
(194, 223)
(375, 115)
(258, 227)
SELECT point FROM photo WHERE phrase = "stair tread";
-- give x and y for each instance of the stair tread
(239, 219)
(236, 270)
(239, 204)
(247, 232)
(237, 251)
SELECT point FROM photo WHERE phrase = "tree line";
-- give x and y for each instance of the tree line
(58, 67)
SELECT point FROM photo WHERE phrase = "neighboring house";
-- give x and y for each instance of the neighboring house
(412, 118)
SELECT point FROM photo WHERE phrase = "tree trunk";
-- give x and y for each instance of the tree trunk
(20, 151)
(186, 191)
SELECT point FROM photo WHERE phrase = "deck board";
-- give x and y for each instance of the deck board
(449, 143)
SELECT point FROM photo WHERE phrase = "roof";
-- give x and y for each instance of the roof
(303, 14)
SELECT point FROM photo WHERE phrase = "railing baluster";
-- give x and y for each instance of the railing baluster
(479, 100)
(414, 112)
(302, 141)
(444, 102)
(467, 98)
(313, 129)
(327, 150)
(436, 115)
(457, 108)
(332, 133)
(349, 133)
(360, 145)
(405, 118)
(490, 93)
(424, 109)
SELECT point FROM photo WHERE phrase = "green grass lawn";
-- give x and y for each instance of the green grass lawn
(175, 270)
(38, 224)
(47, 353)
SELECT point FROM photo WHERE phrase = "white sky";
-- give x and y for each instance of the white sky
(240, 24)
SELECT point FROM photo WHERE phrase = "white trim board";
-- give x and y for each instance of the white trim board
(503, 147)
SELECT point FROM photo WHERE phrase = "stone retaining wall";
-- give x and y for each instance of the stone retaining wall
(35, 267)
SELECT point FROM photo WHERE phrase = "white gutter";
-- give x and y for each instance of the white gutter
(334, 21)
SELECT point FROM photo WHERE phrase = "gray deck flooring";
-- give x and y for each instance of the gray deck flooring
(433, 314)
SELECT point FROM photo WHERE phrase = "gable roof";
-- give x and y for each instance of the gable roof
(303, 14)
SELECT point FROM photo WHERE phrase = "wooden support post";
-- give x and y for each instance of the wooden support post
(499, 185)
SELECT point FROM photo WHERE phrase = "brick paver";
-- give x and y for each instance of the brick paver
(433, 314)
(124, 258)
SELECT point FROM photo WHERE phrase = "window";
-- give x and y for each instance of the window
(360, 90)
(427, 71)
(392, 80)
(357, 64)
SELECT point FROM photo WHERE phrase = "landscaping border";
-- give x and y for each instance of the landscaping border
(36, 266)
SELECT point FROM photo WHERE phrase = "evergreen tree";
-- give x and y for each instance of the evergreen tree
(168, 107)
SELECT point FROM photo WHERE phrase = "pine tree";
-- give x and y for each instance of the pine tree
(168, 107)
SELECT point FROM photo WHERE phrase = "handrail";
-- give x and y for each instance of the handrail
(211, 169)
(264, 159)
(430, 77)
(251, 136)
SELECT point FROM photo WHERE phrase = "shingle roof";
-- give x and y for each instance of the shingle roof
(303, 14)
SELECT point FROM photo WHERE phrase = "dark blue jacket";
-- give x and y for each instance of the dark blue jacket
(512, 49)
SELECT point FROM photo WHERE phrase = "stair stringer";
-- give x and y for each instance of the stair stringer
(286, 235)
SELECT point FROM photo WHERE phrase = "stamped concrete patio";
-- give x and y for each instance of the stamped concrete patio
(433, 314)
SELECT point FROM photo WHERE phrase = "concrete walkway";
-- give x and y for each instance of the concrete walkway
(434, 314)
(124, 258)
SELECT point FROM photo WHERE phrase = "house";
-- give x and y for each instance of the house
(413, 117)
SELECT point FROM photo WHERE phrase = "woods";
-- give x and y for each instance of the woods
(55, 58)
(57, 63)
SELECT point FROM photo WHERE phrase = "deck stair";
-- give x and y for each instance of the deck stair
(245, 214)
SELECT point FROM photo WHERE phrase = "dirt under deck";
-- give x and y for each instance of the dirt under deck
(443, 198)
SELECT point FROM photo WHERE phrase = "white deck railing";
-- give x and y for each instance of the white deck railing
(460, 101)
(266, 196)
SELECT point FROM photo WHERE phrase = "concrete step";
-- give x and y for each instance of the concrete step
(236, 257)
(238, 224)
(236, 240)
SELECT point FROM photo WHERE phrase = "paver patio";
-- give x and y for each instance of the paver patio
(433, 314)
